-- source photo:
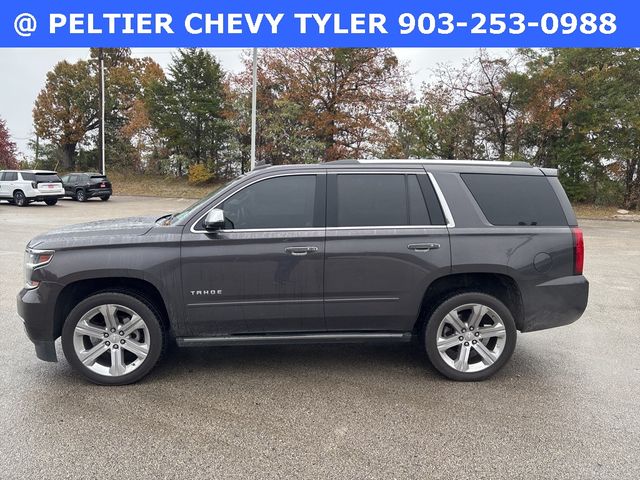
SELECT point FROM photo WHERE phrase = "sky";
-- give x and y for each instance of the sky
(24, 73)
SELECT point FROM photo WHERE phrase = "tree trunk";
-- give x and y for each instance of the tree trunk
(69, 156)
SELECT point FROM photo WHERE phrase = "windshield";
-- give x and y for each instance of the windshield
(186, 213)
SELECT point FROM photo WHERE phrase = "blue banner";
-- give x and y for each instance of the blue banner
(315, 23)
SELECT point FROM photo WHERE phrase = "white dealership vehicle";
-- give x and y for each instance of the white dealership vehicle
(21, 187)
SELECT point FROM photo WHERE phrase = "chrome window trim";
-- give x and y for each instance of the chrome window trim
(443, 202)
(289, 174)
(387, 227)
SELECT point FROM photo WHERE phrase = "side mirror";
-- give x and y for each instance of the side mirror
(214, 220)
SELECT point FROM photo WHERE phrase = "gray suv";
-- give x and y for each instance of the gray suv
(459, 255)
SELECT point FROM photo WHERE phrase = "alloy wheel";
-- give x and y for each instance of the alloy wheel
(111, 340)
(471, 337)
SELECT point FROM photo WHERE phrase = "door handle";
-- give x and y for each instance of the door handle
(423, 247)
(300, 251)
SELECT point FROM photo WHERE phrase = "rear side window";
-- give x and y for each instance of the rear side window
(516, 200)
(10, 176)
(370, 200)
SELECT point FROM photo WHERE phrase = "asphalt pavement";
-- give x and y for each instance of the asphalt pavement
(566, 406)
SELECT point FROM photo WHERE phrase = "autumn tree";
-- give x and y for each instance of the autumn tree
(187, 108)
(8, 149)
(67, 109)
(320, 104)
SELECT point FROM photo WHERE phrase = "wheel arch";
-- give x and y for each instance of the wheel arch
(78, 290)
(499, 285)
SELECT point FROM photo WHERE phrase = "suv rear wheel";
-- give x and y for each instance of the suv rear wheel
(470, 336)
(113, 338)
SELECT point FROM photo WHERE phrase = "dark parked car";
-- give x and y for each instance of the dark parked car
(460, 255)
(83, 186)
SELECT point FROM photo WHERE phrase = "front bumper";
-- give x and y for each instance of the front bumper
(555, 303)
(36, 308)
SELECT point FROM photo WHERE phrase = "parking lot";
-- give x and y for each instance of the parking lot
(566, 406)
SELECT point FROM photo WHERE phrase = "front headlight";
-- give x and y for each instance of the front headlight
(34, 259)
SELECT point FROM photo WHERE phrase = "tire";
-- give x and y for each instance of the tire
(105, 198)
(20, 199)
(81, 195)
(458, 323)
(51, 201)
(148, 341)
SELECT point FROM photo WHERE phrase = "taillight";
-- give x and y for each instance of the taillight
(34, 184)
(578, 250)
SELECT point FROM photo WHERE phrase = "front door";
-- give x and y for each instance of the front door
(264, 271)
(386, 242)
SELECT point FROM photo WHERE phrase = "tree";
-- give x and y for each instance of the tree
(67, 108)
(325, 103)
(8, 149)
(188, 108)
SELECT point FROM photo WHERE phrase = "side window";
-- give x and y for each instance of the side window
(73, 178)
(1, 176)
(510, 200)
(361, 200)
(370, 200)
(10, 176)
(65, 179)
(418, 213)
(280, 202)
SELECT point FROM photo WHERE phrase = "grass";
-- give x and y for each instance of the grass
(598, 212)
(163, 186)
(157, 186)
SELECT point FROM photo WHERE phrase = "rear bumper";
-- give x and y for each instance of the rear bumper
(41, 197)
(555, 303)
(36, 308)
(99, 192)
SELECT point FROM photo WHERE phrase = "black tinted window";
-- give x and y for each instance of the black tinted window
(40, 177)
(418, 214)
(281, 202)
(10, 176)
(509, 200)
(379, 200)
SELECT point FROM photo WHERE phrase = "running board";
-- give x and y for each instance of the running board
(288, 339)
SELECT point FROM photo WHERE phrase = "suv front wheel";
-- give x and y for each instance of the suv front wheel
(470, 336)
(20, 199)
(113, 338)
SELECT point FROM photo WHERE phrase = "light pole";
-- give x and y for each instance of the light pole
(102, 153)
(253, 110)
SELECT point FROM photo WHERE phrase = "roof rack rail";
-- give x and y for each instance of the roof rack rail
(496, 163)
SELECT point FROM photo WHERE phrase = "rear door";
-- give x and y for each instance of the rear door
(264, 271)
(386, 241)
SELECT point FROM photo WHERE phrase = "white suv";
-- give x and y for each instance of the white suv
(22, 187)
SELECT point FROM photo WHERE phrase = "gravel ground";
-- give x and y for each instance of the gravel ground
(566, 406)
